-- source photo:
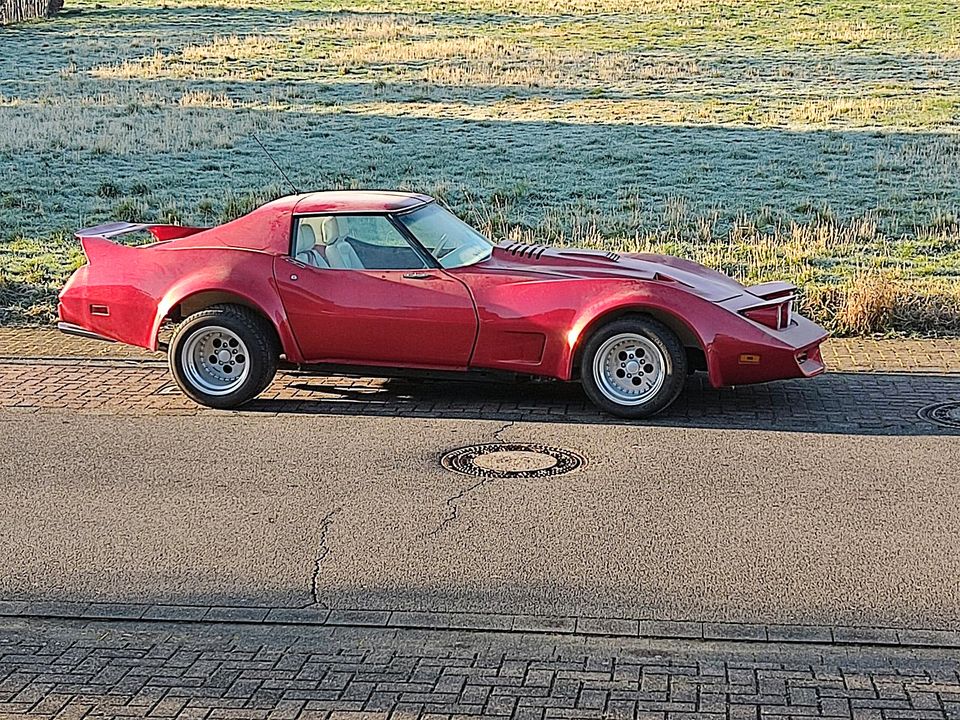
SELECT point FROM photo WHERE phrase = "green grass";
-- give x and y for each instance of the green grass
(812, 141)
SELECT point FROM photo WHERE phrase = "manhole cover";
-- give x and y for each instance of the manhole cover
(946, 414)
(511, 460)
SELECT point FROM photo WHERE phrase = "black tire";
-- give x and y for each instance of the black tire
(262, 354)
(674, 365)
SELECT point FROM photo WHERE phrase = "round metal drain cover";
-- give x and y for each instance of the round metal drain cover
(511, 460)
(945, 414)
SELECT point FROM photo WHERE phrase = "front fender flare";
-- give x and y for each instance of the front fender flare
(690, 333)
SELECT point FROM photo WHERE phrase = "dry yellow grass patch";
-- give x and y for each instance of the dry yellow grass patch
(843, 31)
(247, 47)
(346, 27)
(874, 302)
(144, 128)
(247, 57)
(408, 51)
(868, 302)
(867, 110)
(205, 99)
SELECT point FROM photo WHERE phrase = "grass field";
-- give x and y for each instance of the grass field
(817, 141)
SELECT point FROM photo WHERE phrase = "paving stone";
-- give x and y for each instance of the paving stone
(175, 612)
(544, 623)
(373, 618)
(115, 611)
(734, 631)
(799, 633)
(298, 616)
(236, 614)
(670, 629)
(883, 636)
(608, 626)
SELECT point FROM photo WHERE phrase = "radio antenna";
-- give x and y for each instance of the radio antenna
(276, 164)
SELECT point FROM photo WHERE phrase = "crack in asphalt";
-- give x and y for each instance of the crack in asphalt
(322, 552)
(507, 426)
(454, 513)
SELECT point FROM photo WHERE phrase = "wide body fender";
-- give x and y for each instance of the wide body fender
(249, 282)
(538, 326)
(737, 350)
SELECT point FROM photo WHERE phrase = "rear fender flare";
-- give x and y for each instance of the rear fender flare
(199, 298)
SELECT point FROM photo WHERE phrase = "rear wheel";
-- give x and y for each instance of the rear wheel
(224, 356)
(633, 367)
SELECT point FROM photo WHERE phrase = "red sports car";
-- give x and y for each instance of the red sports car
(383, 283)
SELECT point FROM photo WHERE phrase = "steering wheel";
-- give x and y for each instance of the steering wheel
(440, 245)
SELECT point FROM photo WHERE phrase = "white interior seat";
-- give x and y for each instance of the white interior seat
(307, 251)
(339, 253)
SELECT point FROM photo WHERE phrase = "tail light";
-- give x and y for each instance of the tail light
(776, 315)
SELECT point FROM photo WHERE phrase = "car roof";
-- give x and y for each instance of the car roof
(339, 201)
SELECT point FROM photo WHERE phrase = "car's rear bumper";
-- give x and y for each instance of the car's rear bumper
(793, 352)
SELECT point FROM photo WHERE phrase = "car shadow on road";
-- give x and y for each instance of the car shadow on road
(840, 403)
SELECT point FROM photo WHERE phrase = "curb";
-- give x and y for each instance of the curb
(486, 622)
(91, 361)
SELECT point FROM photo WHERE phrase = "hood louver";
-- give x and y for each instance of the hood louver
(529, 251)
(535, 252)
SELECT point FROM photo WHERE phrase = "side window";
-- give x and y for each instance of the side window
(353, 242)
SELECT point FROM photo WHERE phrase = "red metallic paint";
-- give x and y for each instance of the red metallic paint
(525, 310)
(422, 318)
(358, 201)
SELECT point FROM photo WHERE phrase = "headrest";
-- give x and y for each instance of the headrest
(306, 238)
(329, 231)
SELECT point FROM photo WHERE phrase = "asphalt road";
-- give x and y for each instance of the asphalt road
(356, 512)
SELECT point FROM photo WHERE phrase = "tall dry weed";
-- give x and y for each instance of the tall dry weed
(868, 303)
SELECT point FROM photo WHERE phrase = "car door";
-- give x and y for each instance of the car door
(363, 295)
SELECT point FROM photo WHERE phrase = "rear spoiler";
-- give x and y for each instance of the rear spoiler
(116, 229)
(97, 241)
(773, 290)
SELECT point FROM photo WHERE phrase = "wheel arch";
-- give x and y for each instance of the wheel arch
(685, 332)
(179, 306)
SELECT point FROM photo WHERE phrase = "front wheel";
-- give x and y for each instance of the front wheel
(223, 356)
(633, 367)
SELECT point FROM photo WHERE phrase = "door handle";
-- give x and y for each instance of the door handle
(418, 276)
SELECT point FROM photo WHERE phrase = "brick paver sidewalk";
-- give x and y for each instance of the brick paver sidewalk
(45, 370)
(60, 669)
(837, 402)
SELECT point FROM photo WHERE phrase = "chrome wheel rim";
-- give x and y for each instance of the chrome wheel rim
(629, 369)
(215, 360)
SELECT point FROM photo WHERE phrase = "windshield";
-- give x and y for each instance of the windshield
(450, 240)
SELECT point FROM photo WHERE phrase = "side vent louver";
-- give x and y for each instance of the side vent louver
(613, 256)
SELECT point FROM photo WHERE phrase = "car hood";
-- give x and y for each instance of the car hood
(539, 263)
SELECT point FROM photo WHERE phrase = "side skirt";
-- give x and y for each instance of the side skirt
(361, 371)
